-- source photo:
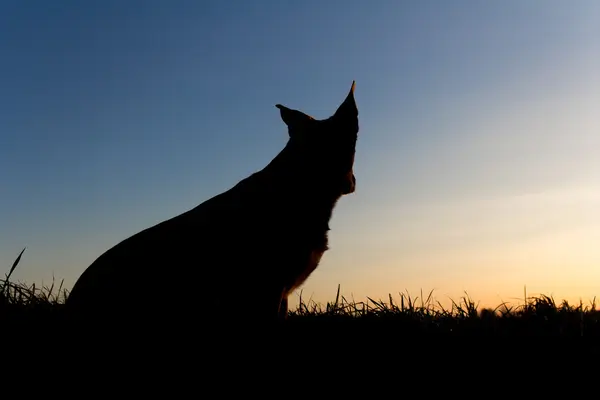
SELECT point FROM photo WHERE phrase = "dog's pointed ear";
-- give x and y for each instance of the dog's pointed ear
(292, 117)
(348, 107)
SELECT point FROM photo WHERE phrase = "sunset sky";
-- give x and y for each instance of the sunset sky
(477, 162)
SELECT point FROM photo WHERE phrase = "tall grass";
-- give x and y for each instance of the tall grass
(538, 315)
(23, 298)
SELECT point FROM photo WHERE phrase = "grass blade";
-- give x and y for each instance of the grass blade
(15, 264)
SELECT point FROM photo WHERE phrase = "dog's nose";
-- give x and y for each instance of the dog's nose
(351, 185)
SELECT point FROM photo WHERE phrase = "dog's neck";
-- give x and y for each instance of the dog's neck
(287, 174)
(285, 185)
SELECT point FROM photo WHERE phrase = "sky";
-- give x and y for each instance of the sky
(477, 167)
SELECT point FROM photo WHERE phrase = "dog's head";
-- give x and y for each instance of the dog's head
(325, 148)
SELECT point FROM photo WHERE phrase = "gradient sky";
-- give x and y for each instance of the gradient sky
(477, 161)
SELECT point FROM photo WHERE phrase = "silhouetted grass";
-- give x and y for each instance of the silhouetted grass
(22, 302)
(537, 316)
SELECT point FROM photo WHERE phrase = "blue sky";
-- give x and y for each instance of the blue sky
(476, 164)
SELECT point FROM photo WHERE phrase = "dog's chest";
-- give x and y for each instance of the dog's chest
(309, 264)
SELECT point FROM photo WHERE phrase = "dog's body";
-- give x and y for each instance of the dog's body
(241, 253)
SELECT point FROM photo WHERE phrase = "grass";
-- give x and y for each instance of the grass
(537, 316)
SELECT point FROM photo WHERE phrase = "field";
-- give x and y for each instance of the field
(536, 316)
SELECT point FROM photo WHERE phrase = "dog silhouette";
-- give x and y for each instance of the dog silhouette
(238, 255)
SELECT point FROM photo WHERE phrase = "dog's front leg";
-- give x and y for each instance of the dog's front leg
(283, 307)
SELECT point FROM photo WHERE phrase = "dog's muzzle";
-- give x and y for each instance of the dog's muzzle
(349, 185)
